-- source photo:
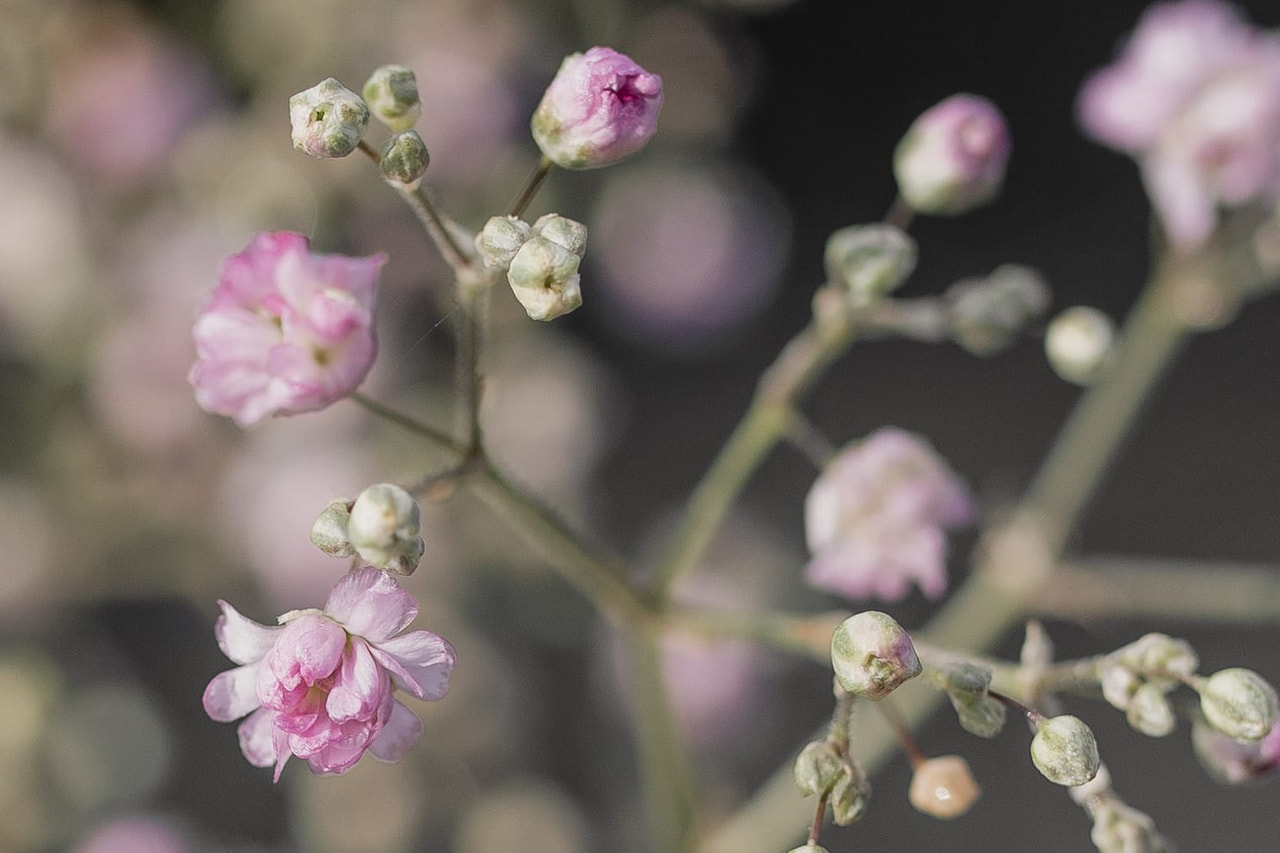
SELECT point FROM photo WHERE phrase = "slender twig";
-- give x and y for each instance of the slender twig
(889, 710)
(469, 328)
(900, 214)
(439, 438)
(809, 440)
(436, 227)
(531, 187)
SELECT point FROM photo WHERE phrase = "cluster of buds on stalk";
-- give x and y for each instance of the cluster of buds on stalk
(987, 314)
(541, 261)
(1137, 679)
(967, 686)
(381, 526)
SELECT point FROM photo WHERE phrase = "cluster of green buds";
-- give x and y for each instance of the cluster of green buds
(1137, 679)
(966, 685)
(987, 314)
(1117, 826)
(382, 526)
(868, 262)
(541, 261)
(825, 768)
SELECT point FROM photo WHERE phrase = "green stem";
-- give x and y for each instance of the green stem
(531, 187)
(435, 226)
(472, 319)
(439, 438)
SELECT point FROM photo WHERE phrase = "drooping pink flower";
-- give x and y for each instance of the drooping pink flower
(285, 331)
(1234, 762)
(600, 108)
(953, 157)
(877, 516)
(322, 684)
(1195, 97)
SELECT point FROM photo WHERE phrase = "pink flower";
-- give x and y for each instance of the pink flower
(1195, 97)
(285, 331)
(953, 157)
(876, 518)
(322, 685)
(600, 108)
(1232, 761)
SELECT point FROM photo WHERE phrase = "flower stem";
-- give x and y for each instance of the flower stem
(531, 187)
(472, 320)
(436, 228)
(439, 438)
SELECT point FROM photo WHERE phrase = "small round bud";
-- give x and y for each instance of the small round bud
(818, 767)
(544, 277)
(500, 239)
(559, 229)
(943, 787)
(871, 261)
(1120, 828)
(1064, 751)
(1149, 712)
(966, 685)
(1239, 703)
(392, 94)
(988, 314)
(851, 794)
(384, 528)
(1078, 342)
(872, 655)
(982, 717)
(404, 158)
(953, 157)
(1155, 653)
(329, 533)
(328, 119)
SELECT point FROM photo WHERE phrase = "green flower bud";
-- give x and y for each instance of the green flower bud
(982, 717)
(1118, 828)
(818, 767)
(1078, 343)
(1064, 751)
(988, 314)
(1150, 712)
(500, 239)
(329, 533)
(564, 231)
(1239, 703)
(404, 158)
(384, 528)
(392, 93)
(1155, 653)
(544, 277)
(851, 794)
(870, 261)
(966, 685)
(943, 787)
(328, 119)
(872, 655)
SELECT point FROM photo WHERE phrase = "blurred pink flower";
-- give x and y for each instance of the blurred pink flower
(134, 834)
(953, 156)
(1234, 762)
(877, 516)
(321, 685)
(1195, 97)
(600, 108)
(285, 331)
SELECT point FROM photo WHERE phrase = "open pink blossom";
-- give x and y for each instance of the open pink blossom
(1195, 97)
(322, 684)
(285, 331)
(600, 108)
(877, 516)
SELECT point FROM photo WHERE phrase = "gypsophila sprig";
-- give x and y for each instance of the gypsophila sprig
(322, 685)
(953, 157)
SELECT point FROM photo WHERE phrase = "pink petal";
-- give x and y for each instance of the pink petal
(360, 686)
(232, 694)
(257, 739)
(240, 638)
(399, 734)
(420, 662)
(307, 650)
(371, 604)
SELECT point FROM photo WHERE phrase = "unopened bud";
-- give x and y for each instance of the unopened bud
(384, 528)
(851, 794)
(953, 157)
(404, 158)
(564, 231)
(1078, 342)
(943, 787)
(392, 94)
(870, 261)
(1239, 703)
(500, 239)
(544, 277)
(818, 767)
(1065, 751)
(1149, 711)
(966, 686)
(328, 119)
(988, 314)
(1154, 654)
(872, 655)
(1120, 828)
(329, 533)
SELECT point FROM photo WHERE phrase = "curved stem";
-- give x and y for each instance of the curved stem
(438, 438)
(531, 187)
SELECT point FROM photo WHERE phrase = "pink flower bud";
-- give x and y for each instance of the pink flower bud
(285, 330)
(872, 655)
(600, 108)
(953, 157)
(322, 686)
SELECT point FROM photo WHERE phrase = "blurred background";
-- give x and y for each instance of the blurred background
(142, 142)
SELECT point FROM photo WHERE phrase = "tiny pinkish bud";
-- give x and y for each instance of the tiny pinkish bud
(877, 516)
(392, 94)
(383, 528)
(953, 157)
(600, 108)
(285, 331)
(872, 655)
(544, 277)
(560, 229)
(322, 685)
(943, 787)
(328, 119)
(1195, 98)
(1065, 751)
(329, 532)
(403, 158)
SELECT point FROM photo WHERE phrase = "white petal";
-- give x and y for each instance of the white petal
(232, 694)
(401, 732)
(242, 639)
(257, 738)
